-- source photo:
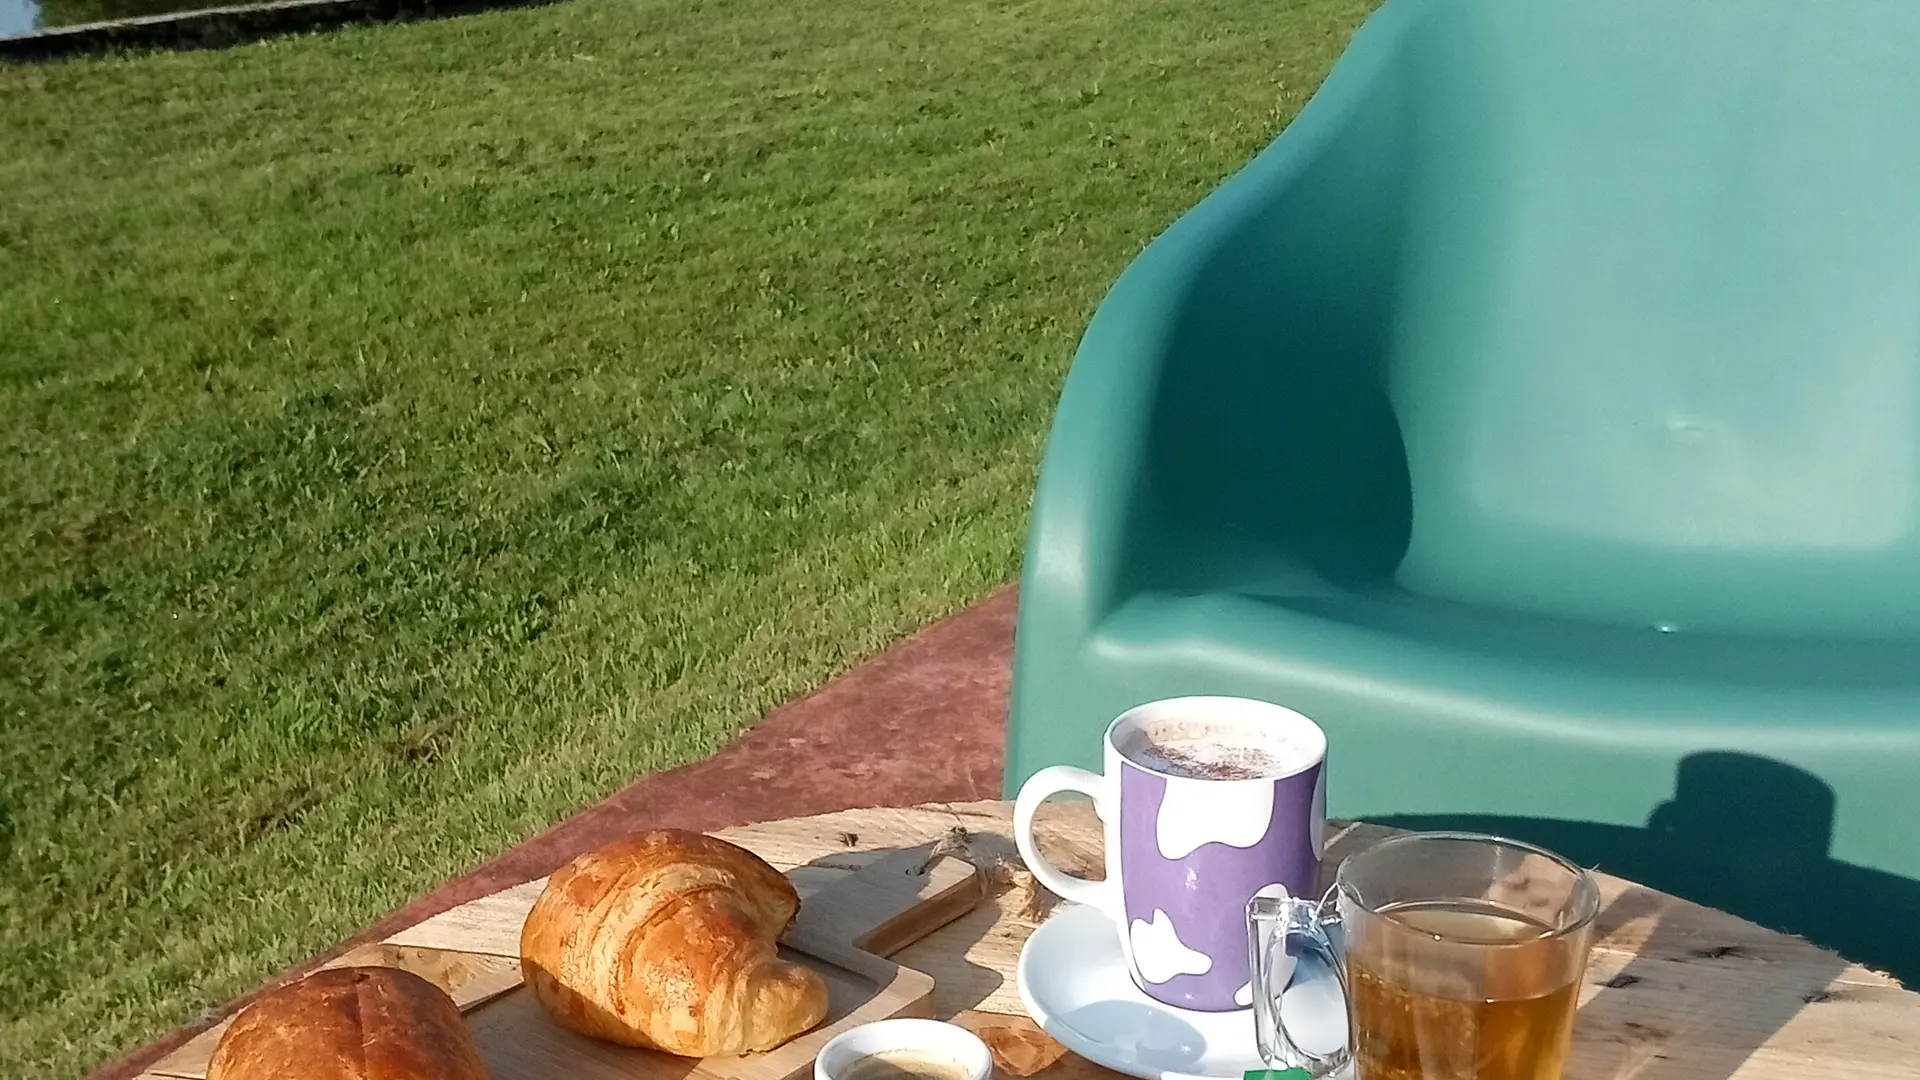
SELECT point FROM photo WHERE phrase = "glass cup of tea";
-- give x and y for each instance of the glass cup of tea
(1435, 956)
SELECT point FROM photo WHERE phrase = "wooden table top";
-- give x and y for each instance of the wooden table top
(1674, 991)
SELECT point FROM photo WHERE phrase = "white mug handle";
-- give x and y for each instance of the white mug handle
(1040, 787)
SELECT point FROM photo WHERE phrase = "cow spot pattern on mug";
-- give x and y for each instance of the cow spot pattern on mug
(1207, 840)
(1194, 814)
(1161, 955)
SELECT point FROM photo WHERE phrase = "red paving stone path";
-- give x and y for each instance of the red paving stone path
(922, 722)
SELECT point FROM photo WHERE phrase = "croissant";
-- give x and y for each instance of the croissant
(666, 940)
(354, 1023)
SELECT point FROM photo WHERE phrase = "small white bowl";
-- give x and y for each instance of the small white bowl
(930, 1037)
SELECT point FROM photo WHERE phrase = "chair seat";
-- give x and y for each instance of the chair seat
(1442, 715)
(1525, 674)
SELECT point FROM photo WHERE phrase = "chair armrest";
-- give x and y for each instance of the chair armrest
(1205, 356)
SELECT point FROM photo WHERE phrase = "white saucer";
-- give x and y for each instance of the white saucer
(1074, 983)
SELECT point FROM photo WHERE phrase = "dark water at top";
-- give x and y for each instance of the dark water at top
(26, 16)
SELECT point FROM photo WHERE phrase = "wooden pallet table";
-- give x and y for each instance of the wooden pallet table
(1675, 991)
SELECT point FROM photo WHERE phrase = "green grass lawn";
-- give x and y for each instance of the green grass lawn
(411, 434)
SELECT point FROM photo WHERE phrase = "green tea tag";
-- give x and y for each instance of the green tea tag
(1295, 1073)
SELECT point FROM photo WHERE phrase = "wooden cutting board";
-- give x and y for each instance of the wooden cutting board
(844, 932)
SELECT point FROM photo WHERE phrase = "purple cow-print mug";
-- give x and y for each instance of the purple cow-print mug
(1207, 802)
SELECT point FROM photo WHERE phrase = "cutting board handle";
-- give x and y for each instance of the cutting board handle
(888, 904)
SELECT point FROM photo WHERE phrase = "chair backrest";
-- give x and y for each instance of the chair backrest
(1656, 351)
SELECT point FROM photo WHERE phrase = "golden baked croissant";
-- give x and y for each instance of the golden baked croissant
(666, 939)
(353, 1023)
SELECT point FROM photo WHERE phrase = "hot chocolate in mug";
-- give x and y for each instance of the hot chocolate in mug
(1208, 802)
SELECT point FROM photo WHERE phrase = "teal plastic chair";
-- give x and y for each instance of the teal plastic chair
(1541, 414)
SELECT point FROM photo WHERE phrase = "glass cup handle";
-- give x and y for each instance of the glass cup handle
(1299, 986)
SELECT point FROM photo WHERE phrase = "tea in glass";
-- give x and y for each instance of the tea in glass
(1461, 958)
(1500, 1009)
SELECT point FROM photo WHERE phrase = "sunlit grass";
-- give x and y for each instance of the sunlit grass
(411, 434)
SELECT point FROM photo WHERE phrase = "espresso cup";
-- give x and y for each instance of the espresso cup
(904, 1049)
(1207, 802)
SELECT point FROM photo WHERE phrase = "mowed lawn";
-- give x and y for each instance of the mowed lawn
(408, 435)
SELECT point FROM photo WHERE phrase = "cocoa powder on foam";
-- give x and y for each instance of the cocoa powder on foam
(1210, 751)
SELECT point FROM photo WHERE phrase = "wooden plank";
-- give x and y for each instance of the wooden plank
(843, 932)
(489, 925)
(1674, 991)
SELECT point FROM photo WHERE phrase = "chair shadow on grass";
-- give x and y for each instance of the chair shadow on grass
(1749, 836)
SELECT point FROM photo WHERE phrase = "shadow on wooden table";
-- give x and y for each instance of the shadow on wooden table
(1668, 1014)
(1746, 835)
(1750, 836)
